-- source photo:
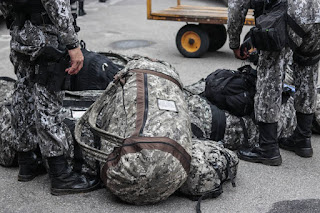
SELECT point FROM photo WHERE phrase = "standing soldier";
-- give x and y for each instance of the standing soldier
(271, 69)
(38, 29)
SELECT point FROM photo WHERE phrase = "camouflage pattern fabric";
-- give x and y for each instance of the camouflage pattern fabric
(316, 119)
(7, 153)
(302, 12)
(234, 136)
(30, 39)
(116, 58)
(288, 78)
(201, 116)
(299, 10)
(271, 65)
(36, 114)
(211, 165)
(71, 112)
(196, 88)
(288, 120)
(137, 164)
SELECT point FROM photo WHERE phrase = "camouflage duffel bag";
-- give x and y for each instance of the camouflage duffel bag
(144, 127)
(8, 156)
(211, 166)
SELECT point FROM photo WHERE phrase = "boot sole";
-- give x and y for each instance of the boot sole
(266, 161)
(58, 192)
(302, 152)
(26, 178)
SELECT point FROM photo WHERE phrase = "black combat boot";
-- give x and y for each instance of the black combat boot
(268, 150)
(81, 10)
(300, 141)
(30, 166)
(66, 181)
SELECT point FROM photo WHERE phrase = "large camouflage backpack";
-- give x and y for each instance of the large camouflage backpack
(8, 156)
(211, 166)
(144, 127)
(210, 122)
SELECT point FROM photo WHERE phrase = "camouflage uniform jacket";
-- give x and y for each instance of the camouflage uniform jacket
(30, 38)
(302, 11)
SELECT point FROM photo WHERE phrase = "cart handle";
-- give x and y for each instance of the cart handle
(149, 7)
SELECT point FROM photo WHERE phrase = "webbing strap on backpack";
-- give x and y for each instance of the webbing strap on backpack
(212, 193)
(245, 132)
(218, 123)
(91, 115)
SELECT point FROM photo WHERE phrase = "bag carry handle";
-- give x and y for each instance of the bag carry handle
(90, 117)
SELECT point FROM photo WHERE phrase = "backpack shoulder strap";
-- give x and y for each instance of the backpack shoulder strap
(295, 27)
(245, 132)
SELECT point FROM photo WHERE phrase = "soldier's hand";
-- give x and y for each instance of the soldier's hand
(238, 55)
(76, 61)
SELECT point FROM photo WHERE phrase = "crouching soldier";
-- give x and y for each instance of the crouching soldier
(303, 39)
(38, 28)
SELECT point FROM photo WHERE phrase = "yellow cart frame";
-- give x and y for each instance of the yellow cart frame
(209, 33)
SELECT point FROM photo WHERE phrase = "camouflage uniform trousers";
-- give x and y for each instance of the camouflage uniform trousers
(271, 69)
(36, 117)
(7, 153)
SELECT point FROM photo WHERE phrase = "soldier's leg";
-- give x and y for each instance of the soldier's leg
(305, 77)
(54, 145)
(81, 8)
(23, 122)
(267, 108)
(8, 156)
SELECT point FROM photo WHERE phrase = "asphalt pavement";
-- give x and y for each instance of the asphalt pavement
(121, 26)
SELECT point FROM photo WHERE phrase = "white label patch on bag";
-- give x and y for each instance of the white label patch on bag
(167, 105)
(77, 113)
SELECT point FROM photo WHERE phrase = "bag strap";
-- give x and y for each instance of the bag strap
(245, 132)
(218, 121)
(295, 27)
(5, 78)
(212, 193)
(90, 117)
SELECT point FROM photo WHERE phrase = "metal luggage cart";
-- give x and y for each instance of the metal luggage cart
(204, 30)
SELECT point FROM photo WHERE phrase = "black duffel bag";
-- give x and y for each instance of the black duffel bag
(97, 72)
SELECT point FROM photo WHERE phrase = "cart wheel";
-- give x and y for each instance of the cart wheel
(217, 35)
(192, 41)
